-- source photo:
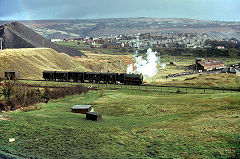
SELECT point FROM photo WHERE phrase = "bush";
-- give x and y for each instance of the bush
(62, 92)
(18, 95)
(3, 105)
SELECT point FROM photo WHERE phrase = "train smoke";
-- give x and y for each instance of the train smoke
(163, 65)
(148, 66)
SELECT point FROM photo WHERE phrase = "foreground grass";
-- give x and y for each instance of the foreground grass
(135, 124)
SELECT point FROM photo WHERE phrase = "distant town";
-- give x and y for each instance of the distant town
(157, 40)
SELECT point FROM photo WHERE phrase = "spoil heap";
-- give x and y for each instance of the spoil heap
(17, 35)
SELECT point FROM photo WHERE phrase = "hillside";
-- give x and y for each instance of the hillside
(98, 62)
(32, 61)
(52, 29)
(16, 35)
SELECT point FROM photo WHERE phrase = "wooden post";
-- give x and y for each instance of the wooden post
(146, 87)
(1, 39)
(204, 90)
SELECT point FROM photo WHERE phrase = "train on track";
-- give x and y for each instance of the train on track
(93, 77)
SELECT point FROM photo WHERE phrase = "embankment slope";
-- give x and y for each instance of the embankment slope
(32, 61)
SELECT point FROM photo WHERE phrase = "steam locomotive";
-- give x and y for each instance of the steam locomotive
(93, 77)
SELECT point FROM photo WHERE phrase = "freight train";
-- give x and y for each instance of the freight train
(93, 77)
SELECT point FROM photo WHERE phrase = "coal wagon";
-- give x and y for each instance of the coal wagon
(93, 77)
(12, 75)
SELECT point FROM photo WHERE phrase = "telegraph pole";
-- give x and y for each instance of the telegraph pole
(1, 39)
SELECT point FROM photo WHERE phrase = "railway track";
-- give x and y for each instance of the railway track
(140, 87)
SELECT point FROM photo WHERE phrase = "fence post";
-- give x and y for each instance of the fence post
(131, 86)
(161, 88)
(186, 90)
(223, 89)
(139, 87)
(204, 90)
(146, 87)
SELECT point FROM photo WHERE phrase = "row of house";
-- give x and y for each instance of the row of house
(154, 40)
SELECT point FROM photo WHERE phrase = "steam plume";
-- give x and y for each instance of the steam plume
(147, 67)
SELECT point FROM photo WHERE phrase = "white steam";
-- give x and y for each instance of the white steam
(130, 68)
(163, 66)
(148, 66)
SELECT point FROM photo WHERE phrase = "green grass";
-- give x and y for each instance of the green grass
(136, 124)
(172, 89)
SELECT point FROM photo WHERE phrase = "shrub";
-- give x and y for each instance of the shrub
(26, 96)
(2, 105)
(18, 95)
(62, 92)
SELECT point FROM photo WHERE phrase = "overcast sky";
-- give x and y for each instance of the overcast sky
(226, 10)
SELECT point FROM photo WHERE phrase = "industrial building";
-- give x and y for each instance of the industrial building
(208, 65)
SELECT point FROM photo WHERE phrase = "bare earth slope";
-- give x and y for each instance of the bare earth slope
(32, 61)
(16, 35)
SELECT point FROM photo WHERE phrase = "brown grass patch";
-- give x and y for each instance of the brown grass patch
(104, 62)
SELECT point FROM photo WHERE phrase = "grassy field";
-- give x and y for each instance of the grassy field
(136, 124)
